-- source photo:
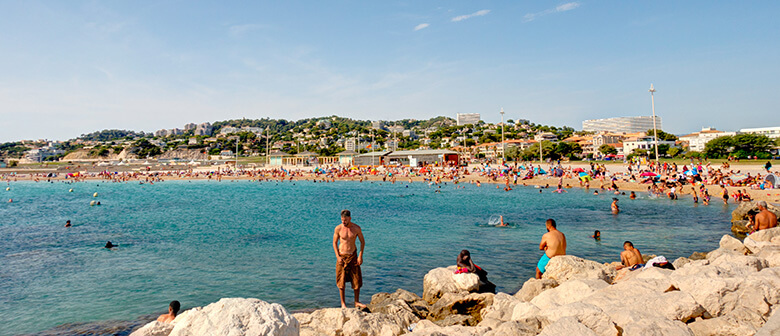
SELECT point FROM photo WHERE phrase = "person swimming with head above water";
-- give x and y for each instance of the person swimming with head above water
(553, 244)
(615, 208)
(110, 245)
(173, 310)
(596, 235)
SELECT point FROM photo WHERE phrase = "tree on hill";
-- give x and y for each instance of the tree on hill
(662, 136)
(740, 145)
(108, 135)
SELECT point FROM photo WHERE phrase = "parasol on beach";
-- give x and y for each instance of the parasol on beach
(578, 170)
(646, 174)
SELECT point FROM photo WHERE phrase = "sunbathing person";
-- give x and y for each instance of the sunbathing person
(466, 265)
(631, 257)
(173, 310)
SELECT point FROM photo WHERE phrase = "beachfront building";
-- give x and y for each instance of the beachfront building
(696, 141)
(772, 132)
(40, 154)
(418, 158)
(276, 158)
(346, 157)
(646, 143)
(371, 159)
(468, 118)
(621, 124)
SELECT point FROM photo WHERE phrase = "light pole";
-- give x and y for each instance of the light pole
(267, 148)
(655, 130)
(503, 146)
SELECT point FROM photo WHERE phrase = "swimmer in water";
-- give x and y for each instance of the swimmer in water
(109, 245)
(67, 223)
(596, 235)
(615, 208)
(595, 193)
(502, 221)
(632, 196)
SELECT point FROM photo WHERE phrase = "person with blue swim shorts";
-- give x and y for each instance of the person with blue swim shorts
(553, 244)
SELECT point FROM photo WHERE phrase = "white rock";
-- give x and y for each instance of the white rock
(565, 268)
(739, 265)
(728, 242)
(756, 241)
(532, 287)
(350, 322)
(567, 326)
(656, 327)
(772, 325)
(513, 328)
(467, 282)
(437, 282)
(501, 309)
(771, 254)
(720, 326)
(568, 292)
(428, 328)
(589, 315)
(525, 310)
(154, 329)
(236, 316)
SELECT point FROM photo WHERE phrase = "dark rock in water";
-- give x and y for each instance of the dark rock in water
(100, 328)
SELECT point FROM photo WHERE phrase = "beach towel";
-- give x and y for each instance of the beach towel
(348, 270)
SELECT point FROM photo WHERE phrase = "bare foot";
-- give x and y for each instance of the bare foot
(343, 306)
(360, 305)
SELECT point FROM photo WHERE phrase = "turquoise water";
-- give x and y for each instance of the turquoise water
(198, 241)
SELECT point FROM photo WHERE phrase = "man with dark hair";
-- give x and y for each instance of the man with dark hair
(348, 260)
(173, 310)
(553, 244)
(631, 257)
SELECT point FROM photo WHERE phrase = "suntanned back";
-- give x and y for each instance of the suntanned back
(556, 243)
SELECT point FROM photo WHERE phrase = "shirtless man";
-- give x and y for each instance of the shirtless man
(630, 257)
(173, 310)
(348, 260)
(615, 208)
(765, 219)
(553, 244)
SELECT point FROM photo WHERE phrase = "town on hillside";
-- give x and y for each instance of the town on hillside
(329, 140)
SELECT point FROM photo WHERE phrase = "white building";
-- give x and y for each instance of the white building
(772, 132)
(468, 118)
(697, 141)
(546, 136)
(349, 144)
(621, 124)
(409, 134)
(646, 143)
(40, 154)
(204, 129)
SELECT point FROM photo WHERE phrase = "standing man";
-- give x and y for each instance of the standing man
(553, 244)
(348, 260)
(765, 219)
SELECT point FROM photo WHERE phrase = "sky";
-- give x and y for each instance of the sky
(72, 67)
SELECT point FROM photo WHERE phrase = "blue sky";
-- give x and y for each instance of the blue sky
(72, 67)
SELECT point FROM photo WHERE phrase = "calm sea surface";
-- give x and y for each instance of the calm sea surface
(199, 241)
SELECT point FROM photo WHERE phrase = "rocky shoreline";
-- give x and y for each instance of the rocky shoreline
(732, 290)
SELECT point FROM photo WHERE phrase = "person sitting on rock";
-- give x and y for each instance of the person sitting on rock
(553, 244)
(765, 219)
(173, 310)
(631, 257)
(466, 265)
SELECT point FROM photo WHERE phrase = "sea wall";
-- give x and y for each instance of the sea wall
(731, 291)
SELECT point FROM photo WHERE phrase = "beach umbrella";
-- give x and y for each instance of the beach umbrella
(578, 170)
(646, 174)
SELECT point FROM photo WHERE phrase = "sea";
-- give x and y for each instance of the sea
(199, 241)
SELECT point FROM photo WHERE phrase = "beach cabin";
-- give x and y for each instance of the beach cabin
(346, 157)
(277, 158)
(371, 159)
(306, 158)
(418, 158)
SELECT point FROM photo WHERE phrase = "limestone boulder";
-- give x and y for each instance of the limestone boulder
(758, 240)
(501, 309)
(733, 244)
(154, 329)
(650, 297)
(350, 322)
(526, 311)
(568, 292)
(469, 305)
(741, 212)
(589, 315)
(428, 328)
(656, 327)
(721, 326)
(680, 262)
(565, 268)
(439, 281)
(401, 303)
(466, 282)
(534, 287)
(567, 326)
(739, 265)
(236, 316)
(513, 328)
(772, 325)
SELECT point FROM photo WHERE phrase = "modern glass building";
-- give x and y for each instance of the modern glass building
(621, 124)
